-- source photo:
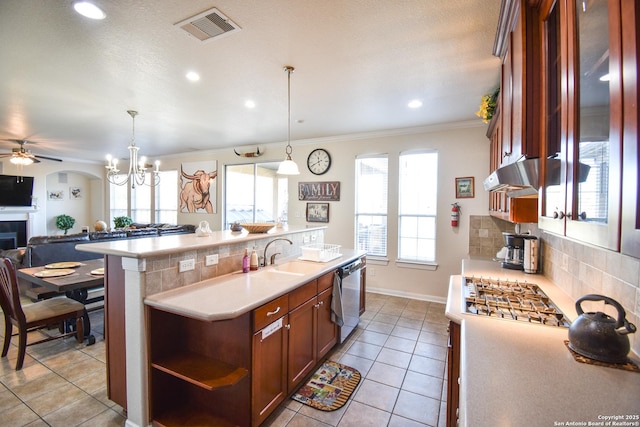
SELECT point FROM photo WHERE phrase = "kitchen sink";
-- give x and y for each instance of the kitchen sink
(298, 267)
(271, 274)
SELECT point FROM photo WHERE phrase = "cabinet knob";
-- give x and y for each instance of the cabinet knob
(558, 215)
(506, 154)
(582, 216)
(271, 313)
(288, 326)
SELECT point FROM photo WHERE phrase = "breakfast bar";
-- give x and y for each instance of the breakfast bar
(143, 281)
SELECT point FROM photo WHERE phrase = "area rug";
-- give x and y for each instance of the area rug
(329, 388)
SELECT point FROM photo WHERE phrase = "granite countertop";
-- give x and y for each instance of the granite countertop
(232, 295)
(520, 374)
(145, 247)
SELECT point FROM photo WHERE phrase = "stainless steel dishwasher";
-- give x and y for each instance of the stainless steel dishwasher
(350, 290)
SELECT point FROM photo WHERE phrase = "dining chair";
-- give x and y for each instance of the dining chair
(33, 316)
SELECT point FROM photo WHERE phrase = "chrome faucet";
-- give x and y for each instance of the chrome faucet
(273, 257)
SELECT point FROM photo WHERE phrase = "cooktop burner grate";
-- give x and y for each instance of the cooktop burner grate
(512, 300)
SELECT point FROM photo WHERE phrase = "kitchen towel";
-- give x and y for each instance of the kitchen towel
(336, 300)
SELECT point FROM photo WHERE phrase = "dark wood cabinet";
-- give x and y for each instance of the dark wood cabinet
(199, 370)
(586, 60)
(269, 375)
(630, 17)
(303, 342)
(453, 374)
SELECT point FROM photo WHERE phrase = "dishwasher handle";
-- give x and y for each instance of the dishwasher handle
(351, 268)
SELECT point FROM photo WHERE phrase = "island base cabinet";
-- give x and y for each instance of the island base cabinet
(199, 370)
(303, 342)
(327, 330)
(269, 379)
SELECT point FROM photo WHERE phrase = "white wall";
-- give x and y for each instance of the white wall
(463, 151)
(46, 175)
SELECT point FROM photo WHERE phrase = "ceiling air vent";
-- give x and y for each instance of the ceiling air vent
(208, 25)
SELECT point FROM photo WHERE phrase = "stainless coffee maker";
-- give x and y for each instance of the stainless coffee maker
(514, 258)
(522, 252)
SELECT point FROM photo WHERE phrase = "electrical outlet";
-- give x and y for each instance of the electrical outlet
(211, 260)
(186, 265)
(305, 239)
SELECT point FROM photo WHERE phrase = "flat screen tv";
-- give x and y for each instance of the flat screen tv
(16, 190)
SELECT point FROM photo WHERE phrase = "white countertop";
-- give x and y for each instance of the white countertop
(145, 247)
(232, 295)
(519, 374)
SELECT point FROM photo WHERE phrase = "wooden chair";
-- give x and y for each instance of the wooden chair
(33, 316)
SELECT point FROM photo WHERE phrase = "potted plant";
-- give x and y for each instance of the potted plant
(122, 221)
(64, 222)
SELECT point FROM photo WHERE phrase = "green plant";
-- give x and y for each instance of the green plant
(64, 222)
(122, 221)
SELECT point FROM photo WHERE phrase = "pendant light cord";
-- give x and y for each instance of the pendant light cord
(288, 149)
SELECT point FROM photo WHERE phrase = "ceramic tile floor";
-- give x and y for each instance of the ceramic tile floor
(399, 348)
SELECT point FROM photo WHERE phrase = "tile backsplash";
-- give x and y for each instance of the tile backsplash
(577, 268)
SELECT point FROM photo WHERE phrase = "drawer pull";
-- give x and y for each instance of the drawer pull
(271, 313)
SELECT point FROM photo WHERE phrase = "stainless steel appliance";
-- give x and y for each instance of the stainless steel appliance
(515, 251)
(350, 291)
(513, 300)
(530, 254)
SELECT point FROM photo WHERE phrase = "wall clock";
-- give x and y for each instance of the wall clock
(319, 161)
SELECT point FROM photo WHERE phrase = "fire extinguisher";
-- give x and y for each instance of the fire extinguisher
(455, 214)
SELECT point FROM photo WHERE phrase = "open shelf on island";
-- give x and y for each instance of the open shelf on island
(200, 370)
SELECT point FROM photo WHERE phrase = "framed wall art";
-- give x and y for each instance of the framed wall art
(75, 193)
(56, 194)
(317, 212)
(465, 188)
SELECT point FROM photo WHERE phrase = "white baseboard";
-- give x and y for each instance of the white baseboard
(411, 295)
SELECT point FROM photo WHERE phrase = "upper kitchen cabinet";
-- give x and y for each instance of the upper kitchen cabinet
(516, 135)
(584, 127)
(630, 16)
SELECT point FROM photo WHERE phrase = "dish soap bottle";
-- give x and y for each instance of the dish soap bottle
(254, 260)
(245, 261)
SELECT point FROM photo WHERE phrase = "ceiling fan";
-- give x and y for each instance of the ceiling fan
(22, 156)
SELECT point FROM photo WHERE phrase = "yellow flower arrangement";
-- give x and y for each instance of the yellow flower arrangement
(488, 106)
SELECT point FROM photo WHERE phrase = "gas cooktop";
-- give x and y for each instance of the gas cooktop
(512, 300)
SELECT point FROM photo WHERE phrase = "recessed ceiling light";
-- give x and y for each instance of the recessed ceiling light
(250, 104)
(193, 76)
(416, 103)
(89, 10)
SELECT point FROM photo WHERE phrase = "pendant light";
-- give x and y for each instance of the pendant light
(288, 166)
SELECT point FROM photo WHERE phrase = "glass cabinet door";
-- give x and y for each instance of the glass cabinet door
(594, 171)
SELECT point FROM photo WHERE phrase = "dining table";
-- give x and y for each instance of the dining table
(73, 279)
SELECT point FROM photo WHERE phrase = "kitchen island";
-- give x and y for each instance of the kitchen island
(141, 268)
(522, 374)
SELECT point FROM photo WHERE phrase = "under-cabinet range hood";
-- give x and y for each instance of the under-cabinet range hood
(519, 179)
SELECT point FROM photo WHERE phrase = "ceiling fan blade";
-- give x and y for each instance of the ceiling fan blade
(47, 158)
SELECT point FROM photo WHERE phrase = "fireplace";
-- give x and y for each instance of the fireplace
(13, 234)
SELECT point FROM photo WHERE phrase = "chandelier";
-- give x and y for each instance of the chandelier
(137, 173)
(288, 166)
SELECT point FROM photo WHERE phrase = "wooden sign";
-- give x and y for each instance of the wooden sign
(325, 191)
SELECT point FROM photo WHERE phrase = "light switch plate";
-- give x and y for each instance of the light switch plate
(186, 265)
(211, 260)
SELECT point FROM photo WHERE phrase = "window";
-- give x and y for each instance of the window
(254, 192)
(418, 191)
(140, 206)
(371, 204)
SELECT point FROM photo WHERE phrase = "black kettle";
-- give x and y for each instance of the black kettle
(599, 336)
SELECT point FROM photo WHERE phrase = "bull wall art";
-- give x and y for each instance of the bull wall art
(198, 187)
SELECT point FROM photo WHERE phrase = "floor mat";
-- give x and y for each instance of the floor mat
(329, 388)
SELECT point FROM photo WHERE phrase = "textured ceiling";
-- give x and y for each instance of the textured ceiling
(67, 81)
